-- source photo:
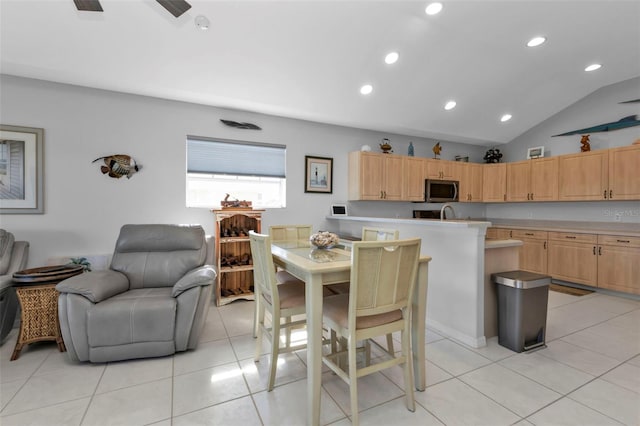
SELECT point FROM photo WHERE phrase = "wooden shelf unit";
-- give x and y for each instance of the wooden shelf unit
(235, 280)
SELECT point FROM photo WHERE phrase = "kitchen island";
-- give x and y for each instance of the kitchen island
(457, 274)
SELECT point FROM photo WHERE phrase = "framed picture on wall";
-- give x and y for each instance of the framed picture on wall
(318, 176)
(21, 166)
(536, 152)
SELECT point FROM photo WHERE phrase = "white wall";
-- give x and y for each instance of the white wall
(84, 209)
(602, 106)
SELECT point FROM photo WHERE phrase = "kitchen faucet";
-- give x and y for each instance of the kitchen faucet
(444, 206)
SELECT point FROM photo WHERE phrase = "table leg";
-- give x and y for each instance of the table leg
(418, 319)
(314, 347)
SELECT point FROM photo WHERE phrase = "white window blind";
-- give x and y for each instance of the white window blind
(235, 158)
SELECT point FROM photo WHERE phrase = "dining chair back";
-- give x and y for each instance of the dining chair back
(282, 300)
(290, 232)
(383, 276)
(379, 234)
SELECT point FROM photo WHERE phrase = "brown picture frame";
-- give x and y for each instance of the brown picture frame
(318, 175)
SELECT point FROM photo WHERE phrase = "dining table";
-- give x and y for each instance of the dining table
(320, 267)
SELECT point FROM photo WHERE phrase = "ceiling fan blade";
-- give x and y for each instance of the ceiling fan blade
(88, 5)
(175, 7)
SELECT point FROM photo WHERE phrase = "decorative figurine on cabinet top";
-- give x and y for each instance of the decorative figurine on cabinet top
(411, 152)
(493, 155)
(437, 149)
(385, 146)
(586, 146)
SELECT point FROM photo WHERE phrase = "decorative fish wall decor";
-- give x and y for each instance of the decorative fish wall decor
(119, 165)
(237, 125)
(623, 123)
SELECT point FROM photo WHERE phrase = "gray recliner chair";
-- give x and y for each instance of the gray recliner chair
(153, 301)
(13, 258)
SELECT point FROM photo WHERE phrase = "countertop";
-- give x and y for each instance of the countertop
(631, 229)
(454, 223)
(493, 244)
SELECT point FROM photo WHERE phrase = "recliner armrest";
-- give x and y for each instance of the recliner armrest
(95, 286)
(202, 276)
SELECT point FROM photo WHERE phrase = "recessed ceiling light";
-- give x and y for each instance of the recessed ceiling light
(450, 105)
(536, 41)
(433, 8)
(505, 117)
(366, 89)
(202, 22)
(391, 58)
(593, 67)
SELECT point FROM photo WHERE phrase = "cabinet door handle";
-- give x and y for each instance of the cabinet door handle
(624, 241)
(510, 234)
(605, 194)
(611, 194)
(570, 237)
(594, 250)
(532, 196)
(505, 197)
(381, 195)
(544, 246)
(600, 251)
(528, 233)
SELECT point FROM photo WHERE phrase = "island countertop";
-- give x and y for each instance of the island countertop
(453, 223)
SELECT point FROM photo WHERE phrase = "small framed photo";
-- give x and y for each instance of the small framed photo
(21, 170)
(536, 152)
(318, 176)
(339, 210)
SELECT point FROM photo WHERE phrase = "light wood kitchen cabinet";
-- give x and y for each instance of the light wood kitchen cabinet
(573, 257)
(533, 180)
(494, 182)
(471, 184)
(624, 173)
(533, 252)
(414, 171)
(619, 263)
(441, 169)
(375, 176)
(583, 176)
(495, 233)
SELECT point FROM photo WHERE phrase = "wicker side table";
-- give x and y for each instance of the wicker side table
(36, 290)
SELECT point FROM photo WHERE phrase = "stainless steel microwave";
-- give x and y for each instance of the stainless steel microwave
(440, 191)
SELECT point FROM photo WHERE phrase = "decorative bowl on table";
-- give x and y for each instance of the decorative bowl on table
(324, 239)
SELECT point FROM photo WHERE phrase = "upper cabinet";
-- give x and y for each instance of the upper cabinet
(375, 176)
(494, 182)
(441, 169)
(533, 180)
(583, 176)
(414, 171)
(470, 177)
(624, 173)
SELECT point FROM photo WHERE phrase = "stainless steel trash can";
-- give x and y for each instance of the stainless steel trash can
(522, 309)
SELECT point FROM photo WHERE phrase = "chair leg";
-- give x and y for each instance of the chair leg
(287, 333)
(390, 343)
(275, 348)
(353, 381)
(408, 371)
(259, 318)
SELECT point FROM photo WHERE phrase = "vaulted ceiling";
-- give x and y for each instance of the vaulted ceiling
(309, 59)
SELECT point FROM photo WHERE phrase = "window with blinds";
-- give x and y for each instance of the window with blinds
(245, 170)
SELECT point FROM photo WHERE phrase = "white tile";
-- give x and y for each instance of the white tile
(206, 355)
(373, 389)
(431, 336)
(627, 376)
(609, 399)
(213, 327)
(567, 412)
(454, 358)
(455, 403)
(123, 374)
(237, 412)
(578, 357)
(494, 351)
(64, 414)
(552, 374)
(287, 406)
(8, 390)
(515, 392)
(433, 374)
(396, 413)
(237, 317)
(135, 405)
(606, 303)
(31, 358)
(635, 361)
(611, 346)
(54, 388)
(558, 299)
(60, 361)
(203, 388)
(245, 346)
(289, 369)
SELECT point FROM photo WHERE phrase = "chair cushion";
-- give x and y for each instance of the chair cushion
(140, 315)
(291, 295)
(337, 309)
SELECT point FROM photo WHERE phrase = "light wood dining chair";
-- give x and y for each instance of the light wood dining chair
(290, 232)
(282, 300)
(383, 276)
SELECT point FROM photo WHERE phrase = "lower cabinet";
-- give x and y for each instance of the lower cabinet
(572, 257)
(619, 263)
(533, 253)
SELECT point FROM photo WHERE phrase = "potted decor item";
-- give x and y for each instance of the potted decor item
(493, 155)
(324, 239)
(385, 146)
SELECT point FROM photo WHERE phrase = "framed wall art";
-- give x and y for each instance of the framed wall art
(21, 170)
(318, 176)
(536, 152)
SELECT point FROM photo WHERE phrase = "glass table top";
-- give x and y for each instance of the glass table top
(303, 248)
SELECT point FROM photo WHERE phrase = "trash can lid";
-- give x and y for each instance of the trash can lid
(521, 279)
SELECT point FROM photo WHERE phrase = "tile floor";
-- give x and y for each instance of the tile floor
(588, 375)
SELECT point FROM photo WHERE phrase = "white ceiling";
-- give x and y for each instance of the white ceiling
(308, 59)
